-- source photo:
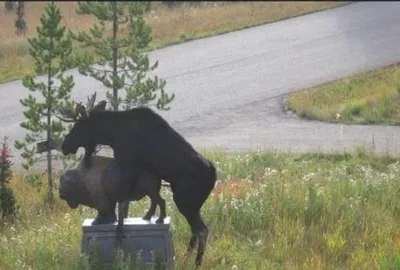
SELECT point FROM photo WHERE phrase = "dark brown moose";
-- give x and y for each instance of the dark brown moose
(143, 141)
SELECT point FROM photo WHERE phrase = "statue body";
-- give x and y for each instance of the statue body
(97, 187)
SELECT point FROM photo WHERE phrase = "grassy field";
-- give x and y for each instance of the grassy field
(268, 211)
(170, 26)
(368, 98)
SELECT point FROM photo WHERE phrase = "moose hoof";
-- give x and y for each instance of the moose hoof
(160, 220)
(147, 218)
(104, 219)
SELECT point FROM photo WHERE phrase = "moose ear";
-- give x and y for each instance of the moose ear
(101, 106)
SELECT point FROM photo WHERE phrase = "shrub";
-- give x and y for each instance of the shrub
(8, 205)
(9, 5)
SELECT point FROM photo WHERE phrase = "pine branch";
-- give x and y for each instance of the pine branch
(129, 73)
(51, 49)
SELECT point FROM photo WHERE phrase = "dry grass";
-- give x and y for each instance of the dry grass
(368, 98)
(169, 25)
(268, 211)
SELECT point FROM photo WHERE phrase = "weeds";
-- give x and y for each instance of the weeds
(368, 98)
(267, 211)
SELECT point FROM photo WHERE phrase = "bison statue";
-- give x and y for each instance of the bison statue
(96, 186)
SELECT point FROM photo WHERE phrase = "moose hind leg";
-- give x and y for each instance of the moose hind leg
(189, 197)
(192, 242)
(202, 232)
(198, 228)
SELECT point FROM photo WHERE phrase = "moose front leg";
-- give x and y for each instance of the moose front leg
(87, 159)
(122, 209)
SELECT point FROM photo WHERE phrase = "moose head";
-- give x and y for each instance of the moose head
(82, 130)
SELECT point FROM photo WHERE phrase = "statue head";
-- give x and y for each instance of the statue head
(87, 187)
(73, 190)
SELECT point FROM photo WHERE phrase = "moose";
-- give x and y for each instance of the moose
(143, 141)
(95, 186)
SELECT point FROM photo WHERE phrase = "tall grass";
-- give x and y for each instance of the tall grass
(368, 98)
(170, 26)
(268, 211)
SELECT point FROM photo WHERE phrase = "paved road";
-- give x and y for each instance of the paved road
(230, 88)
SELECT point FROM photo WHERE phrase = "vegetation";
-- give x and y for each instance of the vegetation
(369, 98)
(170, 25)
(268, 211)
(8, 204)
(9, 5)
(20, 23)
(51, 50)
(122, 53)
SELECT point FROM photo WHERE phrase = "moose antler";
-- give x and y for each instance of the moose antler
(79, 112)
(68, 115)
(90, 102)
(64, 119)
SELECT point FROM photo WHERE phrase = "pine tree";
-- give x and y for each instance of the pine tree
(51, 49)
(20, 24)
(9, 5)
(124, 65)
(8, 203)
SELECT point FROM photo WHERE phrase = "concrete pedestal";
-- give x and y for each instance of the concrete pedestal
(139, 236)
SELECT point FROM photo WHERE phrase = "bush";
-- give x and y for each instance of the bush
(356, 107)
(9, 5)
(8, 204)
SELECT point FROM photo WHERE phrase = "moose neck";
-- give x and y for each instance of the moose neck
(106, 127)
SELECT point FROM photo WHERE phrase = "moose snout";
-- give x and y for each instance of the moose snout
(66, 149)
(67, 152)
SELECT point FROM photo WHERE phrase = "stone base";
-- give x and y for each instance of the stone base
(139, 236)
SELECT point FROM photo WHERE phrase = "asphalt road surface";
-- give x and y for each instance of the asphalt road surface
(229, 88)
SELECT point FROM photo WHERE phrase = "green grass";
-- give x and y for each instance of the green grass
(269, 211)
(368, 98)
